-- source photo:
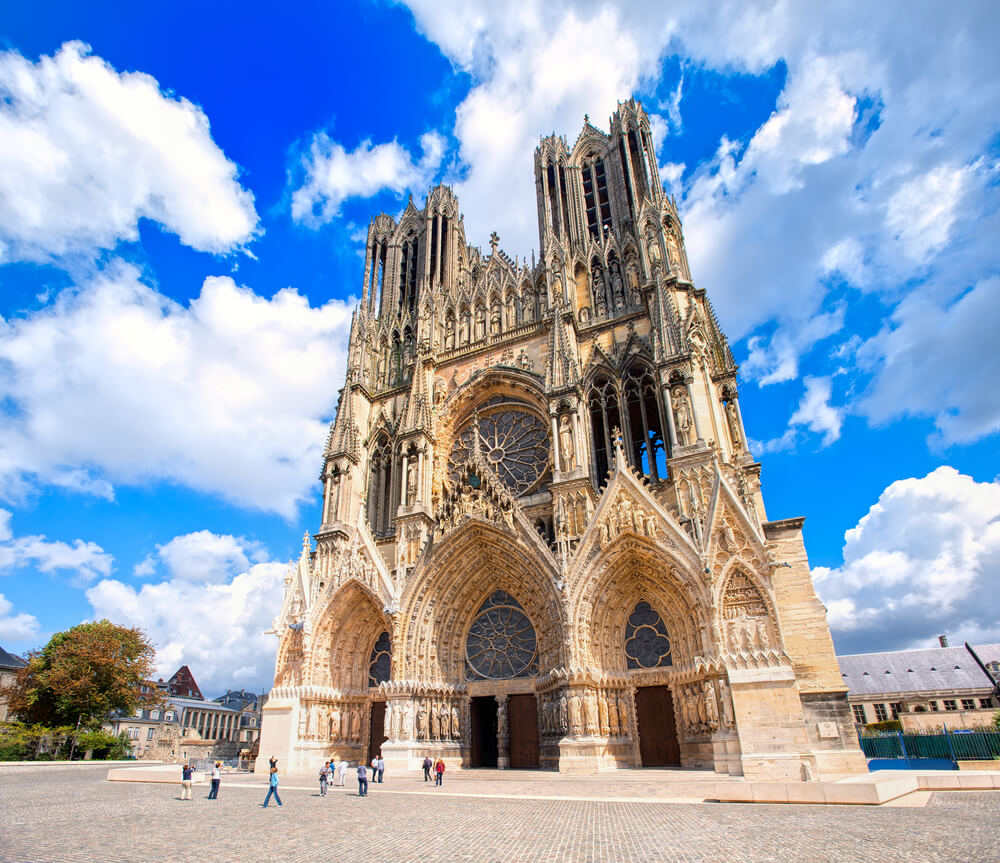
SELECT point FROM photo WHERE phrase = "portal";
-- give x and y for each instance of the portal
(658, 747)
(483, 725)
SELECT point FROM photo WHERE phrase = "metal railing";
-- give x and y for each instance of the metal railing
(952, 746)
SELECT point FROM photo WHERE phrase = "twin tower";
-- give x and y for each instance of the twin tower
(543, 541)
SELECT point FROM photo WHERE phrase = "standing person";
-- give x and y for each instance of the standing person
(362, 780)
(439, 770)
(324, 778)
(381, 767)
(187, 774)
(272, 787)
(216, 781)
(428, 764)
(374, 768)
(342, 771)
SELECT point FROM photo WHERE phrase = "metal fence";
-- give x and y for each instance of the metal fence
(206, 764)
(947, 746)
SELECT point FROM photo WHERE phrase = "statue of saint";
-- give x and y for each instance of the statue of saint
(734, 424)
(411, 483)
(566, 448)
(682, 417)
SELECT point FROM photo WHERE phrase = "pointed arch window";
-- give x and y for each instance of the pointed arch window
(595, 195)
(647, 642)
(646, 444)
(380, 663)
(380, 486)
(605, 417)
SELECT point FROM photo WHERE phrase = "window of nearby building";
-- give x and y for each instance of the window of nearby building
(950, 704)
(133, 733)
(169, 716)
(896, 708)
(968, 704)
(932, 706)
(149, 734)
(986, 703)
(859, 713)
(154, 715)
(881, 714)
(138, 713)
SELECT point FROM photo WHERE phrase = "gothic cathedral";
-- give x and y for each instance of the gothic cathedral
(543, 541)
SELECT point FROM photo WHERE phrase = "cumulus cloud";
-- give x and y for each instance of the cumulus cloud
(16, 628)
(87, 151)
(331, 174)
(921, 562)
(814, 413)
(878, 144)
(215, 625)
(227, 394)
(86, 560)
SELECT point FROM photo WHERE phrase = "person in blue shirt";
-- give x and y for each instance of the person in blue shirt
(272, 788)
(362, 779)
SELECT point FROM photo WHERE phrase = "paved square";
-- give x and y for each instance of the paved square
(73, 814)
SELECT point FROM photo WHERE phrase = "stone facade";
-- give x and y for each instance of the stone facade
(543, 540)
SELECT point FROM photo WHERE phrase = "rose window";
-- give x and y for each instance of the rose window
(515, 443)
(501, 643)
(647, 644)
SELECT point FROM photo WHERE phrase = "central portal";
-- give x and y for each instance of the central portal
(483, 725)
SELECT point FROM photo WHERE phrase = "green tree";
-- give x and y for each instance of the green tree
(84, 674)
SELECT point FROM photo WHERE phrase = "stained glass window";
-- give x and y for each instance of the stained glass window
(380, 662)
(647, 644)
(501, 643)
(514, 442)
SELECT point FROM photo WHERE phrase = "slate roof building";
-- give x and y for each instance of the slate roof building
(9, 665)
(905, 683)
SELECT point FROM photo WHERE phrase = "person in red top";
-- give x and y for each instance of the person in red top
(439, 771)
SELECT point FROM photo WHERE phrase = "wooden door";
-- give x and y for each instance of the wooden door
(658, 745)
(522, 725)
(376, 736)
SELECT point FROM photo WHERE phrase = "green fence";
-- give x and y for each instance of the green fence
(953, 745)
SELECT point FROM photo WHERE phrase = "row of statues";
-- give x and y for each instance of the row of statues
(337, 723)
(425, 720)
(588, 713)
(625, 517)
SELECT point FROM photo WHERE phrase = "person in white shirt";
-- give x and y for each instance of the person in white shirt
(216, 781)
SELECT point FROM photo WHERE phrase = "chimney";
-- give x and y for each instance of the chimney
(943, 640)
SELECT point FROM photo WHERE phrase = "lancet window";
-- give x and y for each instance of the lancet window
(380, 663)
(595, 195)
(408, 276)
(380, 486)
(605, 417)
(376, 282)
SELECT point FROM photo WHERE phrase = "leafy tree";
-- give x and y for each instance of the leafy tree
(84, 674)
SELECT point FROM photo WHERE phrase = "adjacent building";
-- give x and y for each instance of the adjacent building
(543, 540)
(929, 688)
(9, 666)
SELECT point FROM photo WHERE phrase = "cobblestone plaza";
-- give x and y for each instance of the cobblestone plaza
(73, 814)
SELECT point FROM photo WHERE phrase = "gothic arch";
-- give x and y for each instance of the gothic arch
(745, 613)
(343, 641)
(441, 602)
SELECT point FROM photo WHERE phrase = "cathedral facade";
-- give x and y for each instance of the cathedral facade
(543, 541)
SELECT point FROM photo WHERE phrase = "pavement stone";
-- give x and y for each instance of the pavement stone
(76, 815)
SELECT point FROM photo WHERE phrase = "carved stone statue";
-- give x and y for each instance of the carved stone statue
(495, 320)
(411, 483)
(480, 323)
(682, 417)
(528, 308)
(563, 714)
(422, 723)
(335, 724)
(455, 730)
(734, 424)
(355, 724)
(435, 723)
(602, 713)
(463, 330)
(589, 713)
(574, 714)
(566, 448)
(449, 335)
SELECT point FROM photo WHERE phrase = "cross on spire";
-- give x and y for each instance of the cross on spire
(494, 242)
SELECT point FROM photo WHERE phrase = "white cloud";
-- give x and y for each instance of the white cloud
(87, 560)
(215, 628)
(207, 557)
(226, 394)
(145, 567)
(16, 628)
(939, 358)
(923, 561)
(332, 175)
(814, 412)
(86, 152)
(923, 210)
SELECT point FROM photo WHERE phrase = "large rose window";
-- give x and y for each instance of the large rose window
(501, 643)
(514, 442)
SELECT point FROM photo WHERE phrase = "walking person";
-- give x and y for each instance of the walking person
(216, 781)
(272, 787)
(428, 764)
(341, 772)
(324, 778)
(187, 775)
(362, 780)
(381, 767)
(439, 771)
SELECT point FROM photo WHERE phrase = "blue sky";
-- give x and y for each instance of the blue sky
(183, 199)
